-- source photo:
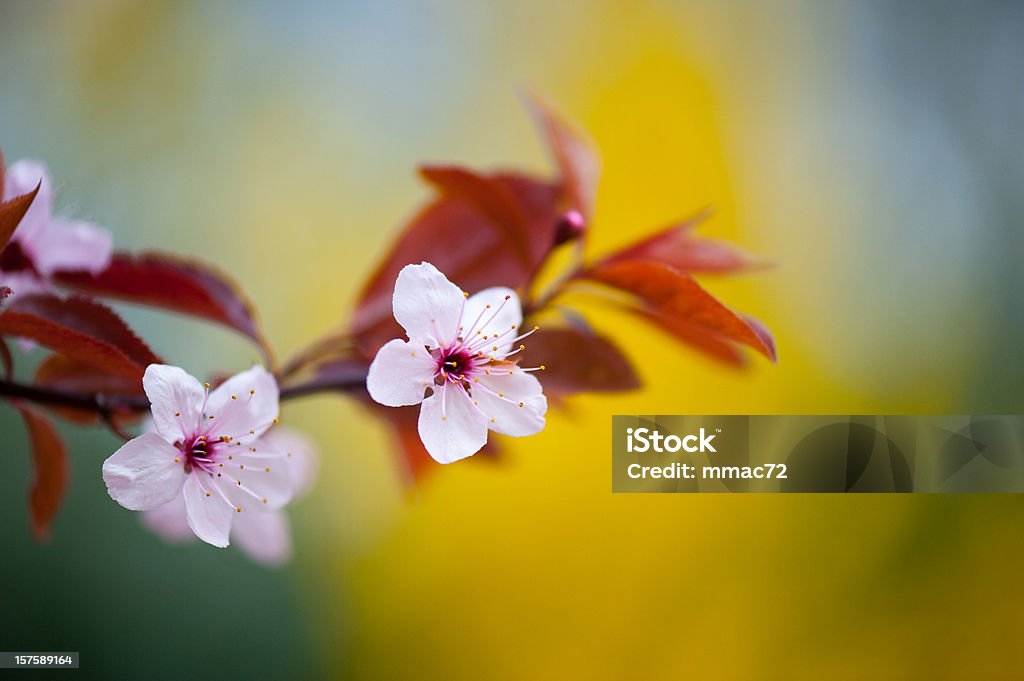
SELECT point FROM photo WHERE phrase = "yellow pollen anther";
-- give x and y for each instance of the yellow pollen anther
(239, 509)
(206, 385)
(488, 306)
(252, 431)
(522, 347)
(475, 402)
(501, 394)
(239, 482)
(252, 392)
(487, 371)
(220, 465)
(495, 347)
(264, 500)
(177, 413)
(543, 368)
(231, 457)
(277, 420)
(267, 469)
(536, 328)
(177, 459)
(492, 420)
(465, 294)
(520, 404)
(476, 380)
(234, 397)
(207, 494)
(241, 466)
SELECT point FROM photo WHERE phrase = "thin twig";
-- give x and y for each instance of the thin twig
(108, 405)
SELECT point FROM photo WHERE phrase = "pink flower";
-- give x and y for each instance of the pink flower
(45, 243)
(207, 448)
(460, 350)
(264, 537)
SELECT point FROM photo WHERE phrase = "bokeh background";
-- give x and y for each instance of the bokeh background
(872, 149)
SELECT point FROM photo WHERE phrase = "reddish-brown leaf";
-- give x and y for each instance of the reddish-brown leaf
(176, 284)
(496, 203)
(680, 247)
(463, 241)
(11, 213)
(50, 471)
(672, 295)
(81, 329)
(577, 360)
(574, 154)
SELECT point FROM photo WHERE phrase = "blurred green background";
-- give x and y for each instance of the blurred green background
(872, 149)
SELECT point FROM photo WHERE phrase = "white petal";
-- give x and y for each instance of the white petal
(450, 427)
(300, 453)
(427, 305)
(265, 537)
(245, 402)
(494, 321)
(208, 513)
(173, 391)
(400, 373)
(143, 473)
(265, 478)
(70, 246)
(21, 178)
(169, 520)
(499, 397)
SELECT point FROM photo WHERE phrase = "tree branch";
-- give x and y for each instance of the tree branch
(106, 405)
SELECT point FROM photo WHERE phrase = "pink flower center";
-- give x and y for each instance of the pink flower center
(456, 363)
(199, 453)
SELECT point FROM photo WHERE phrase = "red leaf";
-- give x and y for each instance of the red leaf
(680, 247)
(578, 164)
(490, 198)
(676, 297)
(81, 329)
(461, 239)
(711, 344)
(68, 375)
(175, 284)
(50, 466)
(577, 360)
(11, 213)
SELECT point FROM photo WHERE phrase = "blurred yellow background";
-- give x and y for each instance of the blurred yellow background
(861, 146)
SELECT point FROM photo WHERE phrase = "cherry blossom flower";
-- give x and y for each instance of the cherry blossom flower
(264, 537)
(461, 350)
(207, 448)
(44, 243)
